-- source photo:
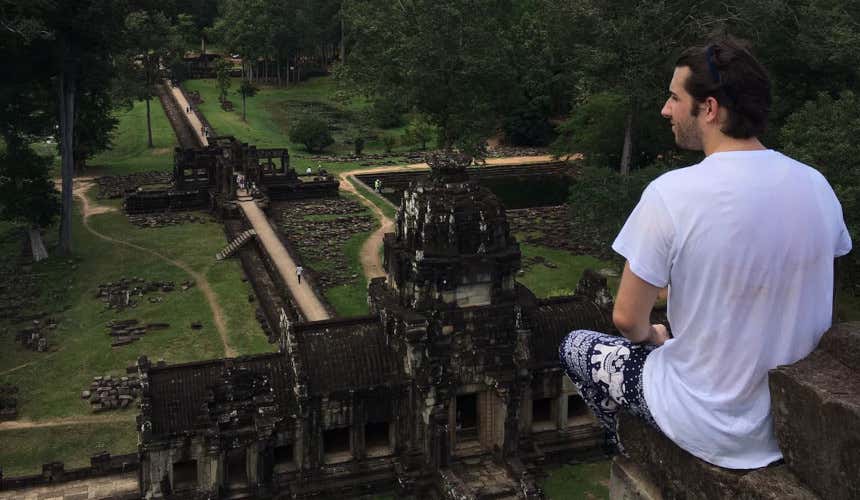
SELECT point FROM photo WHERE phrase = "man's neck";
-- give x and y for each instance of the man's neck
(721, 143)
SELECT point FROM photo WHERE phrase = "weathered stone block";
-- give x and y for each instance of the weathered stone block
(816, 409)
(678, 474)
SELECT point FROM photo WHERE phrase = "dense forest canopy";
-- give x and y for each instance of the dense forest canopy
(581, 76)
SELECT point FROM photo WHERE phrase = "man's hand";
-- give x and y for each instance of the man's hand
(659, 334)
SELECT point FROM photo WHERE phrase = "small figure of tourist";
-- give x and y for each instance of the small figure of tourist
(299, 271)
(309, 171)
(187, 109)
(377, 185)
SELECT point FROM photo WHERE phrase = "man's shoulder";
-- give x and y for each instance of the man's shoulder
(675, 179)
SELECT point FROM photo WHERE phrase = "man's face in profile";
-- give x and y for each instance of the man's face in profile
(679, 109)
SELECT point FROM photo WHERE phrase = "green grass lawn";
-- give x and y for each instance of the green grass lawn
(376, 199)
(351, 299)
(575, 482)
(545, 281)
(24, 451)
(273, 109)
(50, 383)
(50, 386)
(129, 152)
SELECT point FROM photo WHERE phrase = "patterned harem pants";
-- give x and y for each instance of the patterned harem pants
(607, 370)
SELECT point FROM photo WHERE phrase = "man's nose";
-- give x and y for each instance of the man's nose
(666, 112)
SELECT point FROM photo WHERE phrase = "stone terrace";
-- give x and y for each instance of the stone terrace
(322, 239)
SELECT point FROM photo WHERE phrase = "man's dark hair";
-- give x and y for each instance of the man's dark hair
(725, 69)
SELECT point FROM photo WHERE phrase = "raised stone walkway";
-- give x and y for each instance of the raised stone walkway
(306, 300)
(196, 124)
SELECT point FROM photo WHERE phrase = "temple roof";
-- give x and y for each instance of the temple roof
(181, 391)
(552, 319)
(347, 354)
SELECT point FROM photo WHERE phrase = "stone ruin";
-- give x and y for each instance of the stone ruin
(107, 392)
(117, 186)
(126, 292)
(205, 178)
(324, 240)
(126, 331)
(164, 219)
(8, 402)
(35, 336)
(450, 388)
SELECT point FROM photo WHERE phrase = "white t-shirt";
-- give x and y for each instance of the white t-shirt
(746, 241)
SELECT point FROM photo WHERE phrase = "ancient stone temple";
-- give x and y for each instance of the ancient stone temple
(206, 177)
(450, 388)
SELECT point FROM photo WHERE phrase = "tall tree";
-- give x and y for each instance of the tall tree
(627, 50)
(149, 37)
(246, 89)
(445, 59)
(85, 36)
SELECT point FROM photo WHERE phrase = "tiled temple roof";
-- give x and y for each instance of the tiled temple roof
(180, 392)
(346, 354)
(554, 318)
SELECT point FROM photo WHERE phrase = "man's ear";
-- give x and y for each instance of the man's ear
(712, 109)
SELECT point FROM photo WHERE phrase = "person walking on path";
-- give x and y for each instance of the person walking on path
(299, 271)
(745, 240)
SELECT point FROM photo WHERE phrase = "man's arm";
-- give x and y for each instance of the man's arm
(632, 312)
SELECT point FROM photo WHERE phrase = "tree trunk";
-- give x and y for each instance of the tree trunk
(148, 124)
(278, 70)
(203, 46)
(243, 107)
(67, 135)
(37, 246)
(342, 44)
(626, 151)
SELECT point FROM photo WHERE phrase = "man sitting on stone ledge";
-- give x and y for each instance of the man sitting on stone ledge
(745, 240)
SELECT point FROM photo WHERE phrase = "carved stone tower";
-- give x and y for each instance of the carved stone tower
(452, 244)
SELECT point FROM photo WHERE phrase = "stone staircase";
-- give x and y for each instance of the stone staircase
(236, 244)
(479, 478)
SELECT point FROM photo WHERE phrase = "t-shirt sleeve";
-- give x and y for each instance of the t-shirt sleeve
(647, 239)
(844, 244)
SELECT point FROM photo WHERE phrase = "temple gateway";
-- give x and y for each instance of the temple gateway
(451, 388)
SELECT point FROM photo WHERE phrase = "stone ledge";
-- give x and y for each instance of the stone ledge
(675, 473)
(627, 481)
(843, 343)
(816, 412)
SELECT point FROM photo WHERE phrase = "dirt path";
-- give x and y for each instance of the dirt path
(31, 363)
(105, 418)
(306, 300)
(371, 261)
(82, 186)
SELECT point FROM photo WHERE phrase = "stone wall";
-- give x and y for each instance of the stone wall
(816, 408)
(101, 464)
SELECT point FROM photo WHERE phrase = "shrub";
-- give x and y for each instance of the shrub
(419, 132)
(601, 199)
(528, 127)
(389, 142)
(313, 133)
(358, 144)
(386, 113)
